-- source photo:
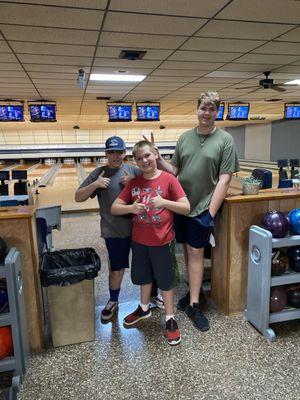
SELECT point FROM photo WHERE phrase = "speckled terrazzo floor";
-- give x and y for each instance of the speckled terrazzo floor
(230, 361)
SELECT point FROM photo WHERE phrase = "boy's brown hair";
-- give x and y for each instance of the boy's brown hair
(209, 98)
(142, 143)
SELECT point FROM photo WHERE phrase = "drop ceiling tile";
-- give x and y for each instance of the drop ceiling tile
(52, 49)
(114, 52)
(110, 70)
(50, 35)
(229, 74)
(7, 58)
(284, 12)
(120, 22)
(140, 40)
(161, 84)
(266, 59)
(223, 80)
(192, 8)
(214, 44)
(12, 74)
(190, 65)
(175, 79)
(290, 68)
(53, 76)
(248, 67)
(96, 4)
(4, 47)
(7, 66)
(279, 48)
(179, 72)
(41, 59)
(242, 30)
(24, 14)
(293, 36)
(203, 56)
(119, 63)
(48, 68)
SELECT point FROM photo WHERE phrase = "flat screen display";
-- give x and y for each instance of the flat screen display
(119, 113)
(238, 111)
(42, 112)
(292, 111)
(11, 113)
(4, 175)
(19, 174)
(147, 112)
(221, 110)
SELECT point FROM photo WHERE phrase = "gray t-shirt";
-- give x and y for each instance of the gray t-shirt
(112, 226)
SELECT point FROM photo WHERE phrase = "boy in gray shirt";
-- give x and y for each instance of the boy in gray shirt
(106, 183)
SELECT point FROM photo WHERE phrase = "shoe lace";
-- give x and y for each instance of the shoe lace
(171, 325)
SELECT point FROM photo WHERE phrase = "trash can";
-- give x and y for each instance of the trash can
(69, 302)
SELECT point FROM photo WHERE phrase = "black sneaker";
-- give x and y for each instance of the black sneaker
(185, 301)
(197, 317)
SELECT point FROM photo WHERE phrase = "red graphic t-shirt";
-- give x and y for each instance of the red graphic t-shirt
(155, 226)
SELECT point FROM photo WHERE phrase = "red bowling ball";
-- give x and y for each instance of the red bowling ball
(6, 343)
(278, 299)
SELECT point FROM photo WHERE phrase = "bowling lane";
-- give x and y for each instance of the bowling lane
(62, 192)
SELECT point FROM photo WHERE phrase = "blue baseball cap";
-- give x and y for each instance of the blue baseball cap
(115, 143)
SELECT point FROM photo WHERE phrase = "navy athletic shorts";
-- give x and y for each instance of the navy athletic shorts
(118, 252)
(192, 231)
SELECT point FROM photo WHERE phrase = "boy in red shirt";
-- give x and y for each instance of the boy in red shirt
(152, 197)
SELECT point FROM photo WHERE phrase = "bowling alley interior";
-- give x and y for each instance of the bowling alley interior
(75, 73)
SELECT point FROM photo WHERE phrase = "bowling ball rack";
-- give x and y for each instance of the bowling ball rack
(260, 281)
(10, 270)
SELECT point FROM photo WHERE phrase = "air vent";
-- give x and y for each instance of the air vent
(103, 98)
(132, 54)
(273, 100)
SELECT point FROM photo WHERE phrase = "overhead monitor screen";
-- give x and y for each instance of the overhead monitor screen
(119, 112)
(11, 113)
(221, 110)
(42, 112)
(292, 111)
(238, 112)
(147, 112)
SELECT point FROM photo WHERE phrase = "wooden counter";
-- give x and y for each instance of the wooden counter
(230, 256)
(18, 229)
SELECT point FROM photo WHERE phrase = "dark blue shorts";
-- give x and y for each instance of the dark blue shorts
(149, 262)
(118, 252)
(189, 230)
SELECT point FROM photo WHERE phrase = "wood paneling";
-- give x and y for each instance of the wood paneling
(230, 256)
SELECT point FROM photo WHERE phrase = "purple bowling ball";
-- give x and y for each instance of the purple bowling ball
(277, 223)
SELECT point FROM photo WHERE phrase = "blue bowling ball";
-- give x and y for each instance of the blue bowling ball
(294, 218)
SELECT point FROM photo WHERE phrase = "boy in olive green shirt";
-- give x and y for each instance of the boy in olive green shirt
(204, 160)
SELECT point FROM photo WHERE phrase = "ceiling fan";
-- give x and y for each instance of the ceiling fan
(266, 83)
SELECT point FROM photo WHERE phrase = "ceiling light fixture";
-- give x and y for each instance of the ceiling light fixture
(295, 82)
(117, 77)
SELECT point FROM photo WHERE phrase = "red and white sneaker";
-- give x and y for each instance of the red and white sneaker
(109, 310)
(136, 316)
(172, 332)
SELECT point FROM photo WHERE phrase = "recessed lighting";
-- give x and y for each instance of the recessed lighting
(295, 82)
(117, 77)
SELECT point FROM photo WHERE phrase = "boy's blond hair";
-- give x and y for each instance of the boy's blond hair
(139, 145)
(209, 98)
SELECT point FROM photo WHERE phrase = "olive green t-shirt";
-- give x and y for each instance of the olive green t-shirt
(201, 160)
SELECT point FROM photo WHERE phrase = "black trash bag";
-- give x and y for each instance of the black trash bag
(70, 266)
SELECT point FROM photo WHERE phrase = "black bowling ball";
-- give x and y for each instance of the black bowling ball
(294, 258)
(294, 297)
(3, 249)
